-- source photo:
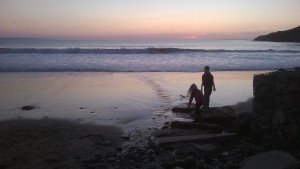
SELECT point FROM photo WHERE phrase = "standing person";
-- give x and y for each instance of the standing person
(209, 85)
(194, 92)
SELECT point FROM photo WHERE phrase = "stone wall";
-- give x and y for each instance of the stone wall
(276, 109)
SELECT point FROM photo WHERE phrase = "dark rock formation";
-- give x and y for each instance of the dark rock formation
(292, 35)
(223, 116)
(242, 124)
(182, 108)
(276, 109)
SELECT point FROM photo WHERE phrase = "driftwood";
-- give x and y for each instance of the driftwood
(193, 138)
(192, 125)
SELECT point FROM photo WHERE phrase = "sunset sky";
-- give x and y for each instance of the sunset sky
(141, 19)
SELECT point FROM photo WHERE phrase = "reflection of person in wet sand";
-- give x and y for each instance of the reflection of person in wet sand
(209, 85)
(194, 92)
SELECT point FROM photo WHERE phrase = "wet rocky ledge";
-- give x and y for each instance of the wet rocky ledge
(220, 141)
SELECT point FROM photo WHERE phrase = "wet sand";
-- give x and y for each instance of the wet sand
(125, 99)
(132, 101)
(136, 102)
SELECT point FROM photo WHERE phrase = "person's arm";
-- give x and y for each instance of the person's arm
(201, 89)
(190, 101)
(213, 84)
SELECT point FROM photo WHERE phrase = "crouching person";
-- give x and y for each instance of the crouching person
(194, 92)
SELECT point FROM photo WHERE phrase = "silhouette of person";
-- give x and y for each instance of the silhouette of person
(194, 92)
(209, 85)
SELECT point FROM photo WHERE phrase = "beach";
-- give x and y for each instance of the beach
(79, 115)
(129, 100)
(109, 84)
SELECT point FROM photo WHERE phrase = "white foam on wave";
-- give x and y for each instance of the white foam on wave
(145, 62)
(37, 55)
(132, 50)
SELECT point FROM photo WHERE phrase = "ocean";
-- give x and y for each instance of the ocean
(131, 84)
(49, 55)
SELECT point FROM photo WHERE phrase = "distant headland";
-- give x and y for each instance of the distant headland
(292, 35)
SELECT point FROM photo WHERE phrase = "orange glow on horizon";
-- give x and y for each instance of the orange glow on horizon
(171, 19)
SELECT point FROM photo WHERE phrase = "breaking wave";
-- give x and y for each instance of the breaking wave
(131, 51)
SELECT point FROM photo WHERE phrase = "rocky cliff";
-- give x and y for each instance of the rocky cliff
(292, 35)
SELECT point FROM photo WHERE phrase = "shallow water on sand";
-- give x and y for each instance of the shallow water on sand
(134, 101)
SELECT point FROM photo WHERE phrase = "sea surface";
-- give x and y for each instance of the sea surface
(50, 55)
(132, 84)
